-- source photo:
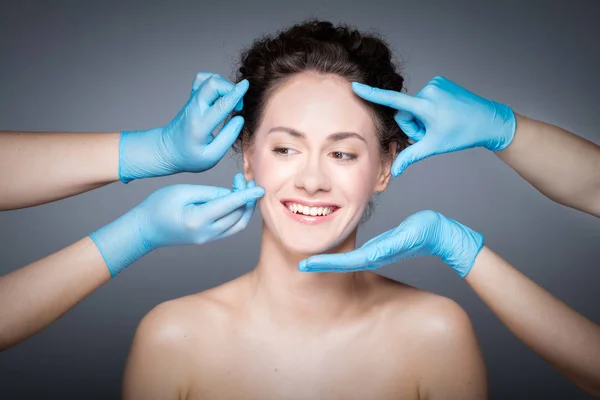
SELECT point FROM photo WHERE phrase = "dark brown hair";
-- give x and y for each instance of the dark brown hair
(319, 46)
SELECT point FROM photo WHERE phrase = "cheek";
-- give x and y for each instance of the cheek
(357, 182)
(268, 172)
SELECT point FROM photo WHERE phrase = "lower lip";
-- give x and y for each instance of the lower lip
(309, 219)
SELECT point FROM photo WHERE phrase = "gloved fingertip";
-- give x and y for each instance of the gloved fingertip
(397, 168)
(303, 266)
(258, 191)
(249, 195)
(239, 106)
(237, 122)
(360, 86)
(243, 84)
(238, 181)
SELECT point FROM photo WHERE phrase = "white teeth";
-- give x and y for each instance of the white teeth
(312, 211)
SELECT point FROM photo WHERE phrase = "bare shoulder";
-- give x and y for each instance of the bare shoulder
(167, 342)
(176, 320)
(437, 335)
(429, 314)
(180, 331)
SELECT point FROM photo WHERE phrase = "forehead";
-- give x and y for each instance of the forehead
(318, 104)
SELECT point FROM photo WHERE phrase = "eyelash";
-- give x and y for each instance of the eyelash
(351, 157)
(278, 151)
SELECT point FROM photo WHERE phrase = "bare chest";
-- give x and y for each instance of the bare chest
(279, 366)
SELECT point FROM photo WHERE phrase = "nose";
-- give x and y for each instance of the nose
(313, 176)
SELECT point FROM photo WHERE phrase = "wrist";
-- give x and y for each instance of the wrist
(141, 155)
(505, 125)
(464, 246)
(121, 242)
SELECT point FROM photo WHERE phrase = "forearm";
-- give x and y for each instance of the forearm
(561, 165)
(34, 296)
(40, 167)
(567, 340)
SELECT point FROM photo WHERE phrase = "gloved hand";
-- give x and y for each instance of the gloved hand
(187, 143)
(177, 215)
(421, 234)
(444, 117)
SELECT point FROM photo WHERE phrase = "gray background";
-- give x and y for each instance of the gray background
(85, 66)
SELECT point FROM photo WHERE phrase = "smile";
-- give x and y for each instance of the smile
(310, 213)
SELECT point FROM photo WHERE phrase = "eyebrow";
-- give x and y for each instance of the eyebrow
(337, 136)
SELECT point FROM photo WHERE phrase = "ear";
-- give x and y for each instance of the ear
(247, 157)
(386, 169)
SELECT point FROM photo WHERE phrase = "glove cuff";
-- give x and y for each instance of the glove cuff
(506, 124)
(121, 242)
(465, 249)
(139, 155)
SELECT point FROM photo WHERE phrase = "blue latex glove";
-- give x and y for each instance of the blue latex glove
(444, 117)
(422, 234)
(177, 215)
(187, 144)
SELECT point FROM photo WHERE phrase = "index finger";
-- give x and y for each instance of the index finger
(389, 98)
(354, 260)
(387, 248)
(222, 206)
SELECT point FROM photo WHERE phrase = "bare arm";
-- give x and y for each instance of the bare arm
(40, 167)
(34, 296)
(564, 338)
(561, 165)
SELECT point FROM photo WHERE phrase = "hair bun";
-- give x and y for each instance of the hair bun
(320, 46)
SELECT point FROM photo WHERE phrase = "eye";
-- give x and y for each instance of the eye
(344, 157)
(284, 151)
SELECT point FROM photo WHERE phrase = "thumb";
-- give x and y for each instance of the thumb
(200, 77)
(239, 182)
(413, 153)
(410, 125)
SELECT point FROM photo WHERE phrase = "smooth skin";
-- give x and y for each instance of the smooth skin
(444, 117)
(277, 333)
(37, 168)
(245, 340)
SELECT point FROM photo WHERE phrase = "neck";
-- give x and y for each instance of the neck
(290, 295)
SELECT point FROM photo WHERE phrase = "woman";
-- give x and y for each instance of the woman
(320, 152)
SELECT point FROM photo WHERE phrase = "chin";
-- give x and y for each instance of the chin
(309, 246)
(307, 249)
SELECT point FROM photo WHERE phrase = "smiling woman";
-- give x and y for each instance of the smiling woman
(321, 153)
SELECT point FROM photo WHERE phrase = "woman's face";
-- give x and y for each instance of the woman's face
(317, 156)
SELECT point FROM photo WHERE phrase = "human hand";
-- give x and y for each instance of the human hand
(443, 117)
(424, 233)
(177, 215)
(187, 144)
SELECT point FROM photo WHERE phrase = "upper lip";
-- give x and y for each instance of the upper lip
(309, 203)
